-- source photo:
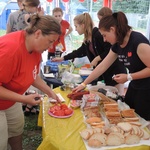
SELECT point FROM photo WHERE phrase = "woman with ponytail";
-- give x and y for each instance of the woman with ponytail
(20, 57)
(133, 50)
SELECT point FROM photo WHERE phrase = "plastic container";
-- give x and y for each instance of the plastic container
(57, 51)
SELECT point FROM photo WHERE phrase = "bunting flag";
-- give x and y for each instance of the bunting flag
(81, 1)
(49, 1)
(65, 1)
(84, 0)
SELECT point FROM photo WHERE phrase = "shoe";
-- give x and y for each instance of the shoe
(24, 107)
(30, 111)
(37, 109)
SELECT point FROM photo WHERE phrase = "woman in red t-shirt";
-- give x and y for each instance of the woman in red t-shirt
(66, 29)
(20, 57)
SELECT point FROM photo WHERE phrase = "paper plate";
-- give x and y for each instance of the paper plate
(51, 114)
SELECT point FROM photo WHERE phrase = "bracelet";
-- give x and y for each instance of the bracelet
(83, 84)
(129, 77)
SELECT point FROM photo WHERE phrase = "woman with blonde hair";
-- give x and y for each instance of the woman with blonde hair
(93, 46)
(20, 59)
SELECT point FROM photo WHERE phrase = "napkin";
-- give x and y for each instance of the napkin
(59, 96)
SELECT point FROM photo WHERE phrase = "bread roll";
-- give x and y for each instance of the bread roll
(128, 113)
(132, 139)
(113, 140)
(86, 133)
(112, 114)
(114, 120)
(131, 119)
(110, 106)
(111, 109)
(146, 135)
(94, 143)
(93, 119)
(99, 136)
(125, 126)
(136, 123)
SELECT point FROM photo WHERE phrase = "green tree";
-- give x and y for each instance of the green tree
(131, 6)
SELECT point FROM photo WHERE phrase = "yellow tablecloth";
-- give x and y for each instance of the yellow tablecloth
(63, 134)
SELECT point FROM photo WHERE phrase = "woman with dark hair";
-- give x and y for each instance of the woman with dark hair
(133, 50)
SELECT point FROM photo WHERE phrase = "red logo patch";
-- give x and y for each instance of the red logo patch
(129, 54)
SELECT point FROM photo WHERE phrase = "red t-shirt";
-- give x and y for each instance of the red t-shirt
(64, 26)
(18, 67)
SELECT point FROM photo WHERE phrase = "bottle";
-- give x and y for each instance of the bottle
(57, 51)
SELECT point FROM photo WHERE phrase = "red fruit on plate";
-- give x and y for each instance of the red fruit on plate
(57, 107)
(52, 110)
(64, 106)
(68, 111)
(59, 113)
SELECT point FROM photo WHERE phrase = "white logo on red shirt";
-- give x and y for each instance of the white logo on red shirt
(34, 72)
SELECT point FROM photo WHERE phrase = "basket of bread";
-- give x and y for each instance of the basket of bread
(116, 135)
(112, 124)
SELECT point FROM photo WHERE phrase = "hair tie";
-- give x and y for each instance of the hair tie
(115, 15)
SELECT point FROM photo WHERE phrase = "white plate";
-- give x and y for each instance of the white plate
(67, 116)
(49, 75)
(85, 72)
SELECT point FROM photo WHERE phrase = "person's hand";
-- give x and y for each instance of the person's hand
(57, 59)
(40, 11)
(79, 88)
(32, 99)
(95, 61)
(120, 78)
(54, 96)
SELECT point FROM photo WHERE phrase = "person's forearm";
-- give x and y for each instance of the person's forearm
(98, 58)
(101, 68)
(41, 85)
(145, 73)
(95, 74)
(8, 30)
(6, 94)
(68, 33)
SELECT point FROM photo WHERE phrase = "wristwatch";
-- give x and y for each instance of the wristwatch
(129, 77)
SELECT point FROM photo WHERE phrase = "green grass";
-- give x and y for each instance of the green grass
(2, 32)
(32, 133)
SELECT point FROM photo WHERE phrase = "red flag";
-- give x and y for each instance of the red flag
(49, 0)
(81, 0)
(65, 0)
